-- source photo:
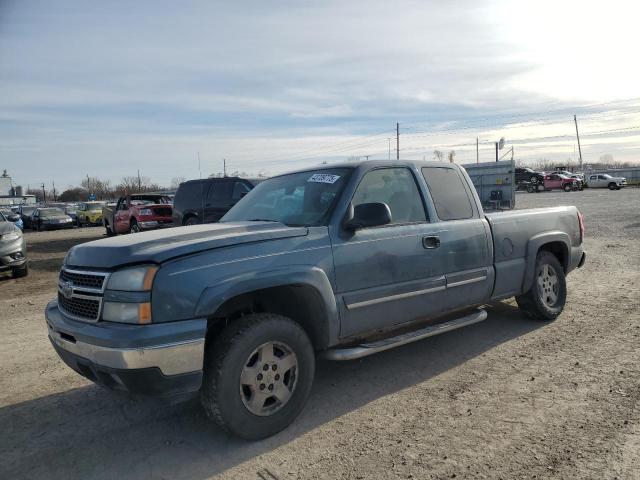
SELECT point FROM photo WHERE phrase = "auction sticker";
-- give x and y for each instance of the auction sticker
(323, 178)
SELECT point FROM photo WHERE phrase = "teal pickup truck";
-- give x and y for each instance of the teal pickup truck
(341, 262)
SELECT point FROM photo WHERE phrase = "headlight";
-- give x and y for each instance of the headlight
(146, 211)
(138, 313)
(137, 279)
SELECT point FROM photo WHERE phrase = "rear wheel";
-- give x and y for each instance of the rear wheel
(531, 189)
(258, 374)
(191, 221)
(546, 298)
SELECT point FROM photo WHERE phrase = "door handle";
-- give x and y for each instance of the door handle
(431, 241)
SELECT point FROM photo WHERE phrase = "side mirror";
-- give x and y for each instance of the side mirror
(367, 215)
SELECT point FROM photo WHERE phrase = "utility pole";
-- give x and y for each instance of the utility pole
(139, 183)
(44, 195)
(224, 167)
(199, 169)
(477, 150)
(496, 151)
(578, 136)
(389, 147)
(54, 191)
(397, 141)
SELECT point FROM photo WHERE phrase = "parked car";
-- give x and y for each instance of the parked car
(342, 261)
(526, 174)
(604, 180)
(207, 200)
(25, 215)
(555, 180)
(72, 211)
(13, 217)
(13, 248)
(136, 213)
(50, 218)
(89, 213)
(579, 177)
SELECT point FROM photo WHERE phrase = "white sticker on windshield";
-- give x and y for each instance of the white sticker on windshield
(323, 178)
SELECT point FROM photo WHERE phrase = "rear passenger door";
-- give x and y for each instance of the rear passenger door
(218, 200)
(390, 274)
(465, 239)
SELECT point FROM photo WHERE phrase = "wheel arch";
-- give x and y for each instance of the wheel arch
(558, 243)
(303, 294)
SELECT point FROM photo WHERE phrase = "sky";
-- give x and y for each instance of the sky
(109, 88)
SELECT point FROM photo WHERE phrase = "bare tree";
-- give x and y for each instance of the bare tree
(176, 181)
(451, 156)
(438, 155)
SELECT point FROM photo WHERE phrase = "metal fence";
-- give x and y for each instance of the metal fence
(489, 178)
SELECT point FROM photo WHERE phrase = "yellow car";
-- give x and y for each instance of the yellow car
(89, 213)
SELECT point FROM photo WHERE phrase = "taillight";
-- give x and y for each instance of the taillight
(581, 223)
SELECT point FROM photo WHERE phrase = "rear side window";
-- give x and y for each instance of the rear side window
(190, 194)
(448, 192)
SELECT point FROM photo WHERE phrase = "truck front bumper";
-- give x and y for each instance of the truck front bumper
(160, 359)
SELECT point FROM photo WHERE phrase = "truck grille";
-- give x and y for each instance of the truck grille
(80, 293)
(78, 279)
(81, 308)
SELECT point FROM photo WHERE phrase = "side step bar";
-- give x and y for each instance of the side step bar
(365, 349)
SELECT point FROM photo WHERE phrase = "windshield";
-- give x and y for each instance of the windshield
(2, 217)
(606, 175)
(94, 206)
(297, 199)
(50, 212)
(150, 200)
(27, 210)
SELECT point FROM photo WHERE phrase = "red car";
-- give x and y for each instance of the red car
(556, 180)
(136, 213)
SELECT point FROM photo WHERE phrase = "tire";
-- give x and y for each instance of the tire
(567, 187)
(546, 298)
(618, 188)
(134, 228)
(191, 221)
(20, 272)
(235, 354)
(612, 186)
(531, 189)
(533, 179)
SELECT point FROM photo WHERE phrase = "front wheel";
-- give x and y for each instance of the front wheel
(612, 186)
(20, 272)
(567, 187)
(258, 374)
(546, 298)
(135, 228)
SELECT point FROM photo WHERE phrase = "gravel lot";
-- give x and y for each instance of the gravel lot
(507, 398)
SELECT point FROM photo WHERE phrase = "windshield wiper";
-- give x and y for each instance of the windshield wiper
(263, 220)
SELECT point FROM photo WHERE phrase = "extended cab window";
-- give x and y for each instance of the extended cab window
(448, 192)
(397, 188)
(219, 193)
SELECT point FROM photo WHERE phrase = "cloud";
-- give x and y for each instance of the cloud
(109, 87)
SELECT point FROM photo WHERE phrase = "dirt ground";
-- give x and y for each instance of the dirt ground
(507, 398)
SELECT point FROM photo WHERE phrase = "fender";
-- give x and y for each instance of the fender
(214, 297)
(534, 245)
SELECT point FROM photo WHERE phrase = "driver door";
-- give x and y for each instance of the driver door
(390, 274)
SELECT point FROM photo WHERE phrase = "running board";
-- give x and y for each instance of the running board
(365, 349)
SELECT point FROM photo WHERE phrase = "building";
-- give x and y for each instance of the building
(13, 195)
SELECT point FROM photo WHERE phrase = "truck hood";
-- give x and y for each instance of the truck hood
(161, 245)
(6, 228)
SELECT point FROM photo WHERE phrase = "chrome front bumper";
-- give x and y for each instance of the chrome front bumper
(172, 358)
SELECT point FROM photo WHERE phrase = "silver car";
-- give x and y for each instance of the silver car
(13, 249)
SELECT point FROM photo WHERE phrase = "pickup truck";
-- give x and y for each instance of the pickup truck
(341, 262)
(604, 180)
(137, 213)
(557, 181)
